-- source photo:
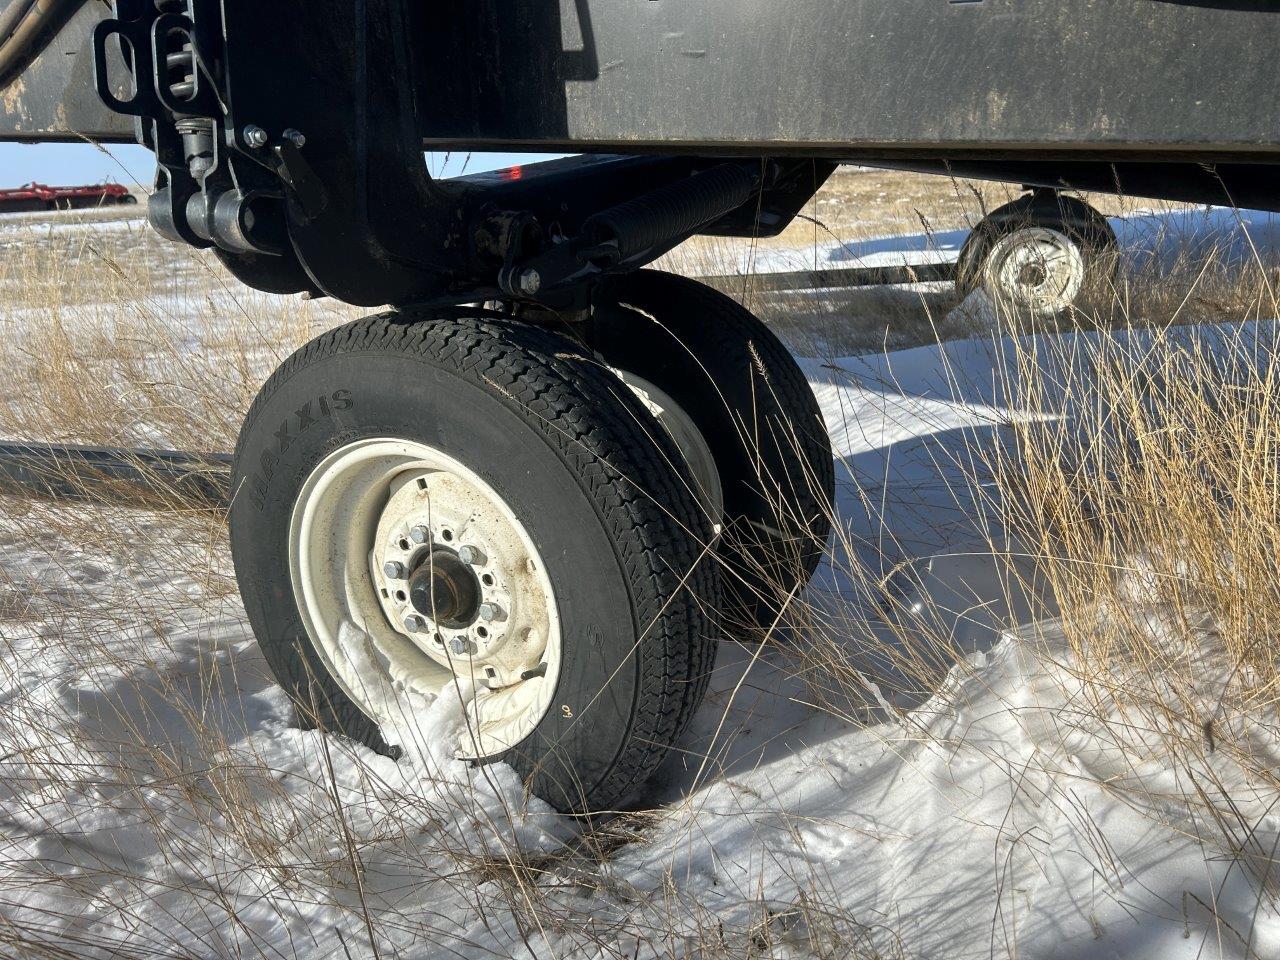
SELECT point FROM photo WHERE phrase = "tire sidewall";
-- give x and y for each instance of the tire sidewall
(678, 340)
(355, 395)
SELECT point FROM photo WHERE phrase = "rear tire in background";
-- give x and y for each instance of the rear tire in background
(1036, 255)
(400, 473)
(748, 398)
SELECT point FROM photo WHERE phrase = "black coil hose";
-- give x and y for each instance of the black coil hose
(26, 28)
(675, 210)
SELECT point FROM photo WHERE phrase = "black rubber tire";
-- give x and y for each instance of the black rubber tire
(569, 449)
(1044, 208)
(753, 405)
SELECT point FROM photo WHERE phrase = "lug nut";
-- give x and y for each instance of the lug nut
(530, 281)
(255, 136)
(462, 646)
(489, 612)
(472, 555)
(420, 534)
(394, 569)
(413, 623)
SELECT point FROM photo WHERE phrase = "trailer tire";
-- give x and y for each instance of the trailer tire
(1042, 226)
(560, 446)
(750, 401)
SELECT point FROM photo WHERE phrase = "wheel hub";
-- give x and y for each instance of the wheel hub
(455, 577)
(438, 577)
(1032, 275)
(444, 589)
(1035, 269)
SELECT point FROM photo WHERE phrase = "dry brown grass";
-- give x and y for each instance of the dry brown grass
(1156, 520)
(114, 337)
(1159, 537)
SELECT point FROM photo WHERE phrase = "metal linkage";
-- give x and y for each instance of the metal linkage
(303, 169)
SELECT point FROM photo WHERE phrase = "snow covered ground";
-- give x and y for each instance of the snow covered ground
(157, 797)
(1159, 239)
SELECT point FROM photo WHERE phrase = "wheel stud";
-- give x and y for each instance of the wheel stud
(394, 570)
(420, 534)
(413, 623)
(490, 612)
(472, 555)
(462, 646)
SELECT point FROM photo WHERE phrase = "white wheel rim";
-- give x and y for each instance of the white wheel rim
(1035, 270)
(693, 446)
(378, 502)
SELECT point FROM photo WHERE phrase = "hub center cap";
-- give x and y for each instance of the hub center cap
(1032, 275)
(446, 590)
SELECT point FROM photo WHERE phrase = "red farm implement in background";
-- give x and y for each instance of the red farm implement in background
(39, 196)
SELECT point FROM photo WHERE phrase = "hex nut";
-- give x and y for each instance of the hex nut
(530, 281)
(255, 136)
(420, 534)
(490, 612)
(472, 555)
(413, 623)
(394, 569)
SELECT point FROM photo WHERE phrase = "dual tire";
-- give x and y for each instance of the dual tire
(1036, 255)
(548, 431)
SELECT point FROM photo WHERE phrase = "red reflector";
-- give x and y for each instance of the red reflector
(513, 173)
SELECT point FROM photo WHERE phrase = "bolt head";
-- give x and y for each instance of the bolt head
(255, 136)
(394, 569)
(420, 534)
(295, 137)
(413, 623)
(530, 281)
(491, 612)
(472, 555)
(462, 646)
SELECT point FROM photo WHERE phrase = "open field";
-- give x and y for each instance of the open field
(1028, 708)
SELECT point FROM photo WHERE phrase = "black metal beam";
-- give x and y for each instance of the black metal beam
(1136, 76)
(842, 278)
(1136, 79)
(53, 98)
(114, 475)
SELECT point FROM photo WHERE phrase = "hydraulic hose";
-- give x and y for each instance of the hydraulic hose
(26, 28)
(673, 211)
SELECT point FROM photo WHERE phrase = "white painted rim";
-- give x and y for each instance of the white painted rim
(354, 516)
(1035, 270)
(693, 446)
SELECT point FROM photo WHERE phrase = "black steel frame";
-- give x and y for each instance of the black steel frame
(312, 178)
(289, 134)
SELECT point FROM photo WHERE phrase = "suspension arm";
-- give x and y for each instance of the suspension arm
(288, 139)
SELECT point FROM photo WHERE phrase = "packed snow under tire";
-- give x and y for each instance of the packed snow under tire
(573, 454)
